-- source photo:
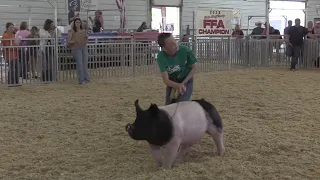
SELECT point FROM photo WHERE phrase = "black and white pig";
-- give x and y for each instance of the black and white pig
(176, 127)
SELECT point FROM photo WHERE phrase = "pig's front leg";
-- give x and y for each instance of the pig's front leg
(156, 153)
(170, 153)
(182, 152)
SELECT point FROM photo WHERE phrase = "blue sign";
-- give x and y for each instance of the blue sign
(74, 3)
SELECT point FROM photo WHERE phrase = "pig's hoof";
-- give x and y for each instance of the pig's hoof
(179, 160)
(164, 168)
(221, 152)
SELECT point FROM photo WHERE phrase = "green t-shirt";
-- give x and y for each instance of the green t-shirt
(179, 66)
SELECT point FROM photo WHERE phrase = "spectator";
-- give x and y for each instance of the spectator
(46, 54)
(33, 50)
(257, 30)
(239, 45)
(142, 27)
(317, 30)
(97, 22)
(188, 30)
(22, 34)
(274, 33)
(185, 38)
(310, 29)
(287, 28)
(72, 15)
(296, 34)
(237, 33)
(77, 41)
(86, 27)
(10, 54)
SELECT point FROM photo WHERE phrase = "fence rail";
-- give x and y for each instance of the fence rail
(123, 57)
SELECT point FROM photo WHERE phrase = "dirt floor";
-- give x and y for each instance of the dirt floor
(67, 131)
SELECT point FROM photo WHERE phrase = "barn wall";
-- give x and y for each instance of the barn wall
(246, 9)
(41, 10)
(311, 10)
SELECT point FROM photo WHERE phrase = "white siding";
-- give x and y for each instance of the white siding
(311, 11)
(136, 13)
(246, 9)
(40, 9)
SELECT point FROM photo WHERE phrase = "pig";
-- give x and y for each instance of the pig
(175, 128)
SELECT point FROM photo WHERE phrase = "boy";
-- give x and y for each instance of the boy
(177, 64)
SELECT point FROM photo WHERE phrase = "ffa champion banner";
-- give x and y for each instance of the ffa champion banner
(210, 22)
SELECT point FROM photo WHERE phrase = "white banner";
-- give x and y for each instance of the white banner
(210, 22)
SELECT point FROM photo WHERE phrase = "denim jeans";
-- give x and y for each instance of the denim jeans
(186, 96)
(24, 59)
(13, 73)
(296, 56)
(81, 56)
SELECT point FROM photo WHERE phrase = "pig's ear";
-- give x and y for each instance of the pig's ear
(154, 109)
(136, 104)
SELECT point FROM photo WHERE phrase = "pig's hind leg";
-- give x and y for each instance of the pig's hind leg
(217, 137)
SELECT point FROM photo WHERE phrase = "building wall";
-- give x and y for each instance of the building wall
(41, 10)
(311, 10)
(137, 12)
(246, 9)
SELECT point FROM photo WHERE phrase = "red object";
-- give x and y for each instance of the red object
(121, 7)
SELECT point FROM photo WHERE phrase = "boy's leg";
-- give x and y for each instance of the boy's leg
(168, 95)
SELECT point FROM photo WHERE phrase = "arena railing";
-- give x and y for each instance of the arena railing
(127, 56)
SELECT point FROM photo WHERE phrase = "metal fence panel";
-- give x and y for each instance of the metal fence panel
(126, 56)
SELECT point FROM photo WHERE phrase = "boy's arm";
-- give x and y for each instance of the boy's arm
(191, 61)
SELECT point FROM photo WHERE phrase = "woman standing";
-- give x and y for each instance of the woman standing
(10, 54)
(23, 33)
(46, 53)
(97, 22)
(77, 41)
(33, 50)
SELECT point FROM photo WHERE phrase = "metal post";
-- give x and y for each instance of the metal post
(267, 32)
(194, 37)
(249, 17)
(267, 17)
(230, 53)
(88, 17)
(55, 4)
(29, 12)
(132, 54)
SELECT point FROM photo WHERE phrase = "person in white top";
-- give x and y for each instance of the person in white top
(21, 36)
(46, 52)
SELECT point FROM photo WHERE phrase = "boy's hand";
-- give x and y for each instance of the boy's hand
(181, 88)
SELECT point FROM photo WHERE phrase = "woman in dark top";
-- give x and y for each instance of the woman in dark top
(97, 22)
(142, 27)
